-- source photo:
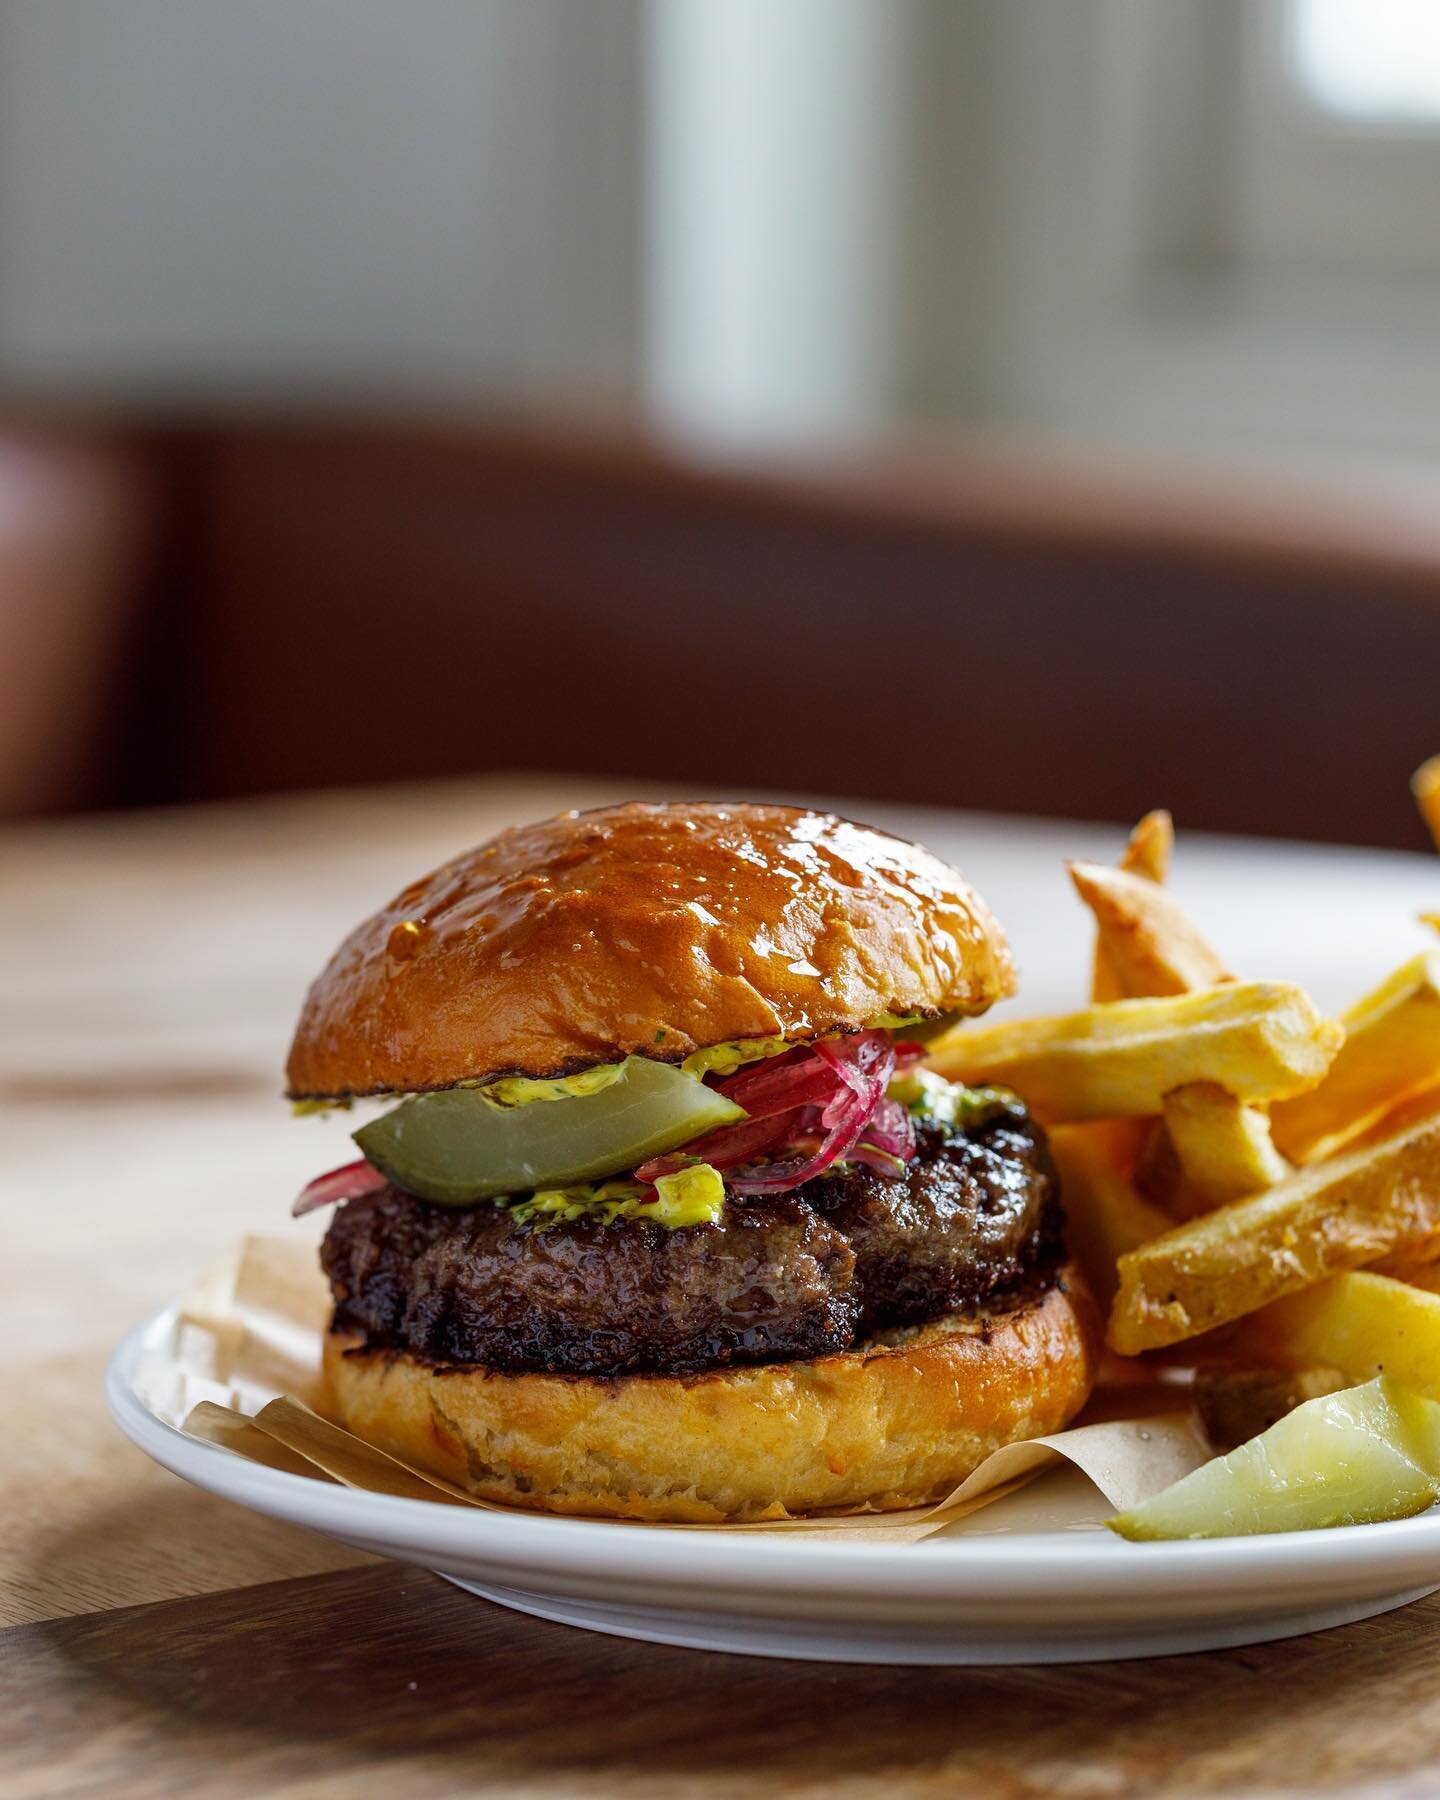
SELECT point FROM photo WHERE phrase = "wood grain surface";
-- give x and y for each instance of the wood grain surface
(155, 1640)
(386, 1681)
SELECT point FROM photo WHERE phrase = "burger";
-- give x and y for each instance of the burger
(663, 1215)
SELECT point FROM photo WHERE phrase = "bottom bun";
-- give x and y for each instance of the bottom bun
(895, 1424)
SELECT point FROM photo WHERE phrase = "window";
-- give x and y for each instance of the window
(1376, 61)
(1208, 223)
(1221, 223)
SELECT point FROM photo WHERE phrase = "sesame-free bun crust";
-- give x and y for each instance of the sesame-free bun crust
(643, 930)
(895, 1424)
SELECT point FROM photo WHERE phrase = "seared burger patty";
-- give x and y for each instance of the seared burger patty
(780, 1277)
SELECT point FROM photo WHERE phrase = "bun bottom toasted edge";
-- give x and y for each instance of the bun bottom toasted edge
(894, 1424)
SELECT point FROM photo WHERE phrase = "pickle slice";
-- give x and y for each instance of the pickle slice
(456, 1147)
(1353, 1458)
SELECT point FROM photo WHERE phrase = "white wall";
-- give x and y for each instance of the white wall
(762, 219)
(776, 144)
(318, 195)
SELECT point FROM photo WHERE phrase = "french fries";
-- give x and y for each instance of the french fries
(1181, 1093)
(1360, 1323)
(1261, 1040)
(1425, 785)
(1150, 946)
(1380, 1198)
(1105, 1215)
(1147, 854)
(1236, 1405)
(1413, 1274)
(1391, 1051)
(1222, 1148)
(1151, 845)
(1147, 945)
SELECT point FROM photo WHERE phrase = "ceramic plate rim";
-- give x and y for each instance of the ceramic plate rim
(1063, 1565)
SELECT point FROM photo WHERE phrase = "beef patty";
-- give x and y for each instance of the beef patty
(780, 1277)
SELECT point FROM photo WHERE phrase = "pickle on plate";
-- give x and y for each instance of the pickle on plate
(456, 1146)
(1354, 1458)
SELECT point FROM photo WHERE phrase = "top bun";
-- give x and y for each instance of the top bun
(643, 930)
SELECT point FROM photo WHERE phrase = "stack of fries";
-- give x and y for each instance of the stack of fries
(1243, 1177)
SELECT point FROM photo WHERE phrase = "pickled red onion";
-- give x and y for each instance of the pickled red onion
(347, 1183)
(879, 1160)
(798, 1078)
(822, 1101)
(730, 1145)
(892, 1130)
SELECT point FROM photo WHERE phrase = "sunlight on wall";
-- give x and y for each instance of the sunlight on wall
(1369, 59)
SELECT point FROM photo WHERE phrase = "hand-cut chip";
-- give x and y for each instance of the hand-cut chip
(1222, 1149)
(1365, 1454)
(1150, 944)
(1147, 854)
(1425, 784)
(1259, 1039)
(1104, 1215)
(1418, 1271)
(1209, 1148)
(1414, 1111)
(1156, 1171)
(1151, 844)
(1391, 1051)
(1361, 1323)
(1146, 945)
(1237, 1404)
(1126, 1141)
(1369, 1202)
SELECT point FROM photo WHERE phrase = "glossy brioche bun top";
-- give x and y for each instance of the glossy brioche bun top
(643, 930)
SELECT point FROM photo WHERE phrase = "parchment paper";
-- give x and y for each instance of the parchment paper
(243, 1371)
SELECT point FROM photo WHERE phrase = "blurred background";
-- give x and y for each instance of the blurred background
(980, 402)
(1021, 406)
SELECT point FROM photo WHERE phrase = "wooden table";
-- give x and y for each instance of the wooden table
(158, 1641)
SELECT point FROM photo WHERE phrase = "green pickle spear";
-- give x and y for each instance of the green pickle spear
(1354, 1458)
(456, 1147)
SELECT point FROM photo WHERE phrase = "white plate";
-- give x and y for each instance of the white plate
(1004, 1587)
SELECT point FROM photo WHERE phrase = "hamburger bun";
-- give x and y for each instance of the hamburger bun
(894, 1424)
(643, 930)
